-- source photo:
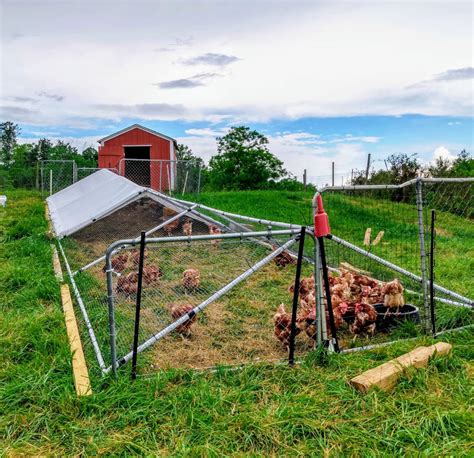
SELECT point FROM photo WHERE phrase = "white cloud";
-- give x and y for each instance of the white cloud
(298, 151)
(303, 59)
(444, 153)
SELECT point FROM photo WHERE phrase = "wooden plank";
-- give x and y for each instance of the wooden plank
(386, 375)
(79, 366)
(49, 232)
(367, 235)
(378, 238)
(58, 272)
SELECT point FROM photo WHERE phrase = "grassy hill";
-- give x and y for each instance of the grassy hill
(258, 411)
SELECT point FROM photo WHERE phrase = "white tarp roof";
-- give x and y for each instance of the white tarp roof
(99, 195)
(83, 202)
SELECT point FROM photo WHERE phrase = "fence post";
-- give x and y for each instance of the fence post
(432, 273)
(296, 294)
(50, 182)
(199, 180)
(110, 302)
(421, 234)
(74, 171)
(367, 169)
(138, 306)
(304, 179)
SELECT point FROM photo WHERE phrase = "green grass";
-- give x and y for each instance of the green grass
(257, 411)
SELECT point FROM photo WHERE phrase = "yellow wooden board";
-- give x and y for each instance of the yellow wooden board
(79, 366)
(386, 375)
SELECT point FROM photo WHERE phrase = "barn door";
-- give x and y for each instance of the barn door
(137, 164)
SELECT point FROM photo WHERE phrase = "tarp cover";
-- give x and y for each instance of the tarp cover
(87, 200)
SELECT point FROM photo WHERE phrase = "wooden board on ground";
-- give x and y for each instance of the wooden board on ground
(79, 366)
(386, 375)
(58, 273)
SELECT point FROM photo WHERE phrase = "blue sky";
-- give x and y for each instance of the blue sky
(323, 80)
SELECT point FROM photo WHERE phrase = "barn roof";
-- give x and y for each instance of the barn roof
(135, 126)
(98, 196)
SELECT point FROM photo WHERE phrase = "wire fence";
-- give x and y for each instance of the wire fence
(228, 270)
(173, 177)
(392, 223)
(170, 177)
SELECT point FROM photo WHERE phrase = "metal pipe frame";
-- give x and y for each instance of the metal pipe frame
(77, 294)
(421, 237)
(164, 332)
(154, 229)
(242, 217)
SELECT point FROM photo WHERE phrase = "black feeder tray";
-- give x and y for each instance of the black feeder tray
(389, 317)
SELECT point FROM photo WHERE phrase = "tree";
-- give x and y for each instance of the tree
(90, 157)
(9, 132)
(185, 153)
(243, 161)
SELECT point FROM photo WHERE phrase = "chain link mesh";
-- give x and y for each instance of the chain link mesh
(385, 222)
(172, 177)
(56, 175)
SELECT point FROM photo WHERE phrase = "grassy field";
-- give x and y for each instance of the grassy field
(258, 411)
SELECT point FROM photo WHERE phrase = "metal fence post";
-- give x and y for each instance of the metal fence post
(110, 301)
(432, 273)
(199, 180)
(296, 294)
(138, 305)
(421, 234)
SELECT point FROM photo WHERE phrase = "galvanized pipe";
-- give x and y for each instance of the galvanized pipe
(90, 329)
(218, 294)
(421, 235)
(154, 229)
(242, 217)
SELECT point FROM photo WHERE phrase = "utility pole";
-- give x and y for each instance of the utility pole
(333, 173)
(367, 169)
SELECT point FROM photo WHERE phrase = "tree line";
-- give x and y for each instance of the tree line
(243, 162)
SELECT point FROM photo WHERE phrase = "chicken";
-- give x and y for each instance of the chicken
(127, 284)
(171, 226)
(151, 274)
(191, 279)
(364, 320)
(284, 259)
(307, 286)
(214, 230)
(282, 322)
(393, 294)
(338, 313)
(371, 295)
(177, 311)
(363, 280)
(119, 263)
(188, 228)
(341, 291)
(135, 256)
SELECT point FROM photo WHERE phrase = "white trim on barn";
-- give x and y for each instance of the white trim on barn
(135, 126)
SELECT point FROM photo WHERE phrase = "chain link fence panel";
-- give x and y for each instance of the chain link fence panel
(171, 177)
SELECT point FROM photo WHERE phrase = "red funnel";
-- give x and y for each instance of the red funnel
(321, 221)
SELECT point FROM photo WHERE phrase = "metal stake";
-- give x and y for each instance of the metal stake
(296, 291)
(328, 294)
(138, 305)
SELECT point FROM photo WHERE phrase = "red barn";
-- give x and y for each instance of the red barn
(144, 156)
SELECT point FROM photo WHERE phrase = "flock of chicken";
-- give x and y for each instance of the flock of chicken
(353, 297)
(127, 284)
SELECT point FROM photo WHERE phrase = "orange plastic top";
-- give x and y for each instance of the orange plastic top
(321, 220)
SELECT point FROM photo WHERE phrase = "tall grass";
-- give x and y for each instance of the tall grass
(259, 411)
